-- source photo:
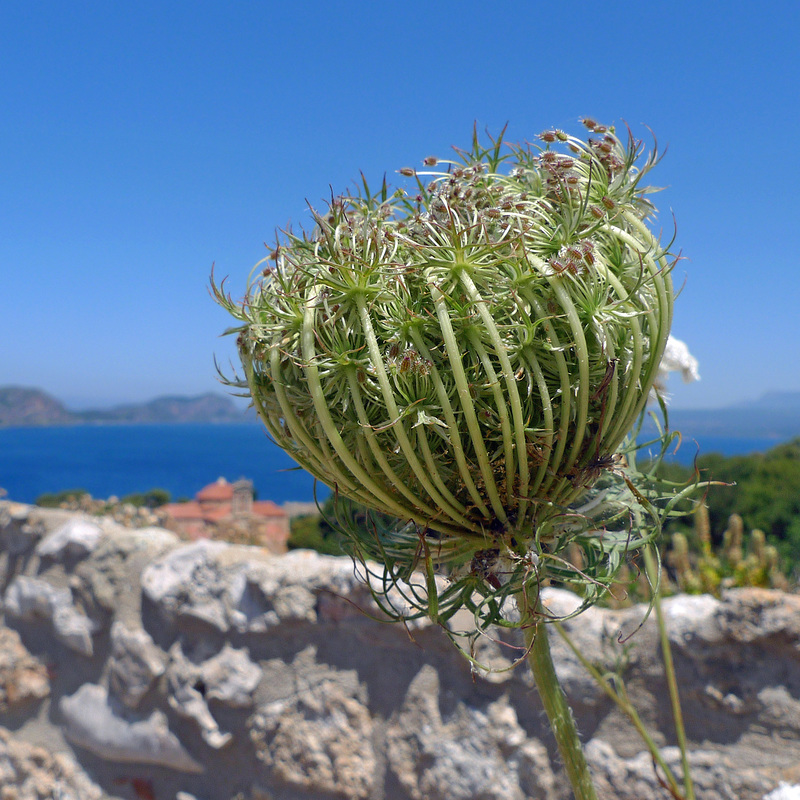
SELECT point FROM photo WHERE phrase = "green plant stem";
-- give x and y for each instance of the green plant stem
(562, 723)
(625, 705)
(669, 669)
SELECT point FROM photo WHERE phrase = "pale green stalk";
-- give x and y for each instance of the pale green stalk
(660, 277)
(328, 426)
(379, 456)
(669, 670)
(559, 714)
(299, 431)
(625, 705)
(566, 394)
(430, 464)
(547, 412)
(501, 408)
(627, 412)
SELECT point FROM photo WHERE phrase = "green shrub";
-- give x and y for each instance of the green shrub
(328, 531)
(306, 534)
(740, 560)
(55, 499)
(150, 499)
(762, 488)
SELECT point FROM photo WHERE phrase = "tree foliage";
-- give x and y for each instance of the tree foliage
(55, 499)
(153, 498)
(763, 488)
(327, 532)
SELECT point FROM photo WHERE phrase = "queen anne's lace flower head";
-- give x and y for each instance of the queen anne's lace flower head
(468, 353)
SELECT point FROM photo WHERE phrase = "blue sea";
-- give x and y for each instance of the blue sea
(117, 460)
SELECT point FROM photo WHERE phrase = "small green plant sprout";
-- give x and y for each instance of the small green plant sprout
(699, 568)
(468, 354)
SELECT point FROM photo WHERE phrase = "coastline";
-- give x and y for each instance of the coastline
(126, 423)
(122, 459)
(126, 458)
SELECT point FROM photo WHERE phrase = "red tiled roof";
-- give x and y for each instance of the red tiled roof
(217, 514)
(190, 510)
(220, 493)
(219, 490)
(193, 510)
(266, 508)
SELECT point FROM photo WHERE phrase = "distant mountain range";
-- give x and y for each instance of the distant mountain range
(27, 407)
(774, 415)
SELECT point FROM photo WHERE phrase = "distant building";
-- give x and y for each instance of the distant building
(228, 511)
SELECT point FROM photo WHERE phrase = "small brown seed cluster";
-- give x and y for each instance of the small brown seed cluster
(574, 258)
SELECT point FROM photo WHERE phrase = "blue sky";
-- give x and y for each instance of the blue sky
(143, 141)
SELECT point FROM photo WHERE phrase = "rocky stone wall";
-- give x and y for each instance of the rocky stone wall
(134, 665)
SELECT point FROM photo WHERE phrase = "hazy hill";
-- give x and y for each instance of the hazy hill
(23, 407)
(20, 406)
(774, 415)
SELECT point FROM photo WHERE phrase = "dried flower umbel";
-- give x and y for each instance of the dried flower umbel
(468, 355)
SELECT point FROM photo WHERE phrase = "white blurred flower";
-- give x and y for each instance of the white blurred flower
(785, 792)
(676, 358)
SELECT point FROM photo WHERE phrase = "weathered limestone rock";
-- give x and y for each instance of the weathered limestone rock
(474, 752)
(76, 538)
(92, 721)
(263, 598)
(230, 677)
(314, 731)
(18, 533)
(111, 577)
(188, 584)
(29, 598)
(23, 678)
(595, 629)
(738, 667)
(134, 665)
(31, 773)
(223, 672)
(188, 702)
(715, 776)
(693, 619)
(227, 587)
(186, 696)
(785, 792)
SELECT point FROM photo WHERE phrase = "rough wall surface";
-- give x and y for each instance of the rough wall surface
(134, 665)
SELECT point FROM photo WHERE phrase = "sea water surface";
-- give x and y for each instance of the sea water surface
(118, 460)
(108, 460)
